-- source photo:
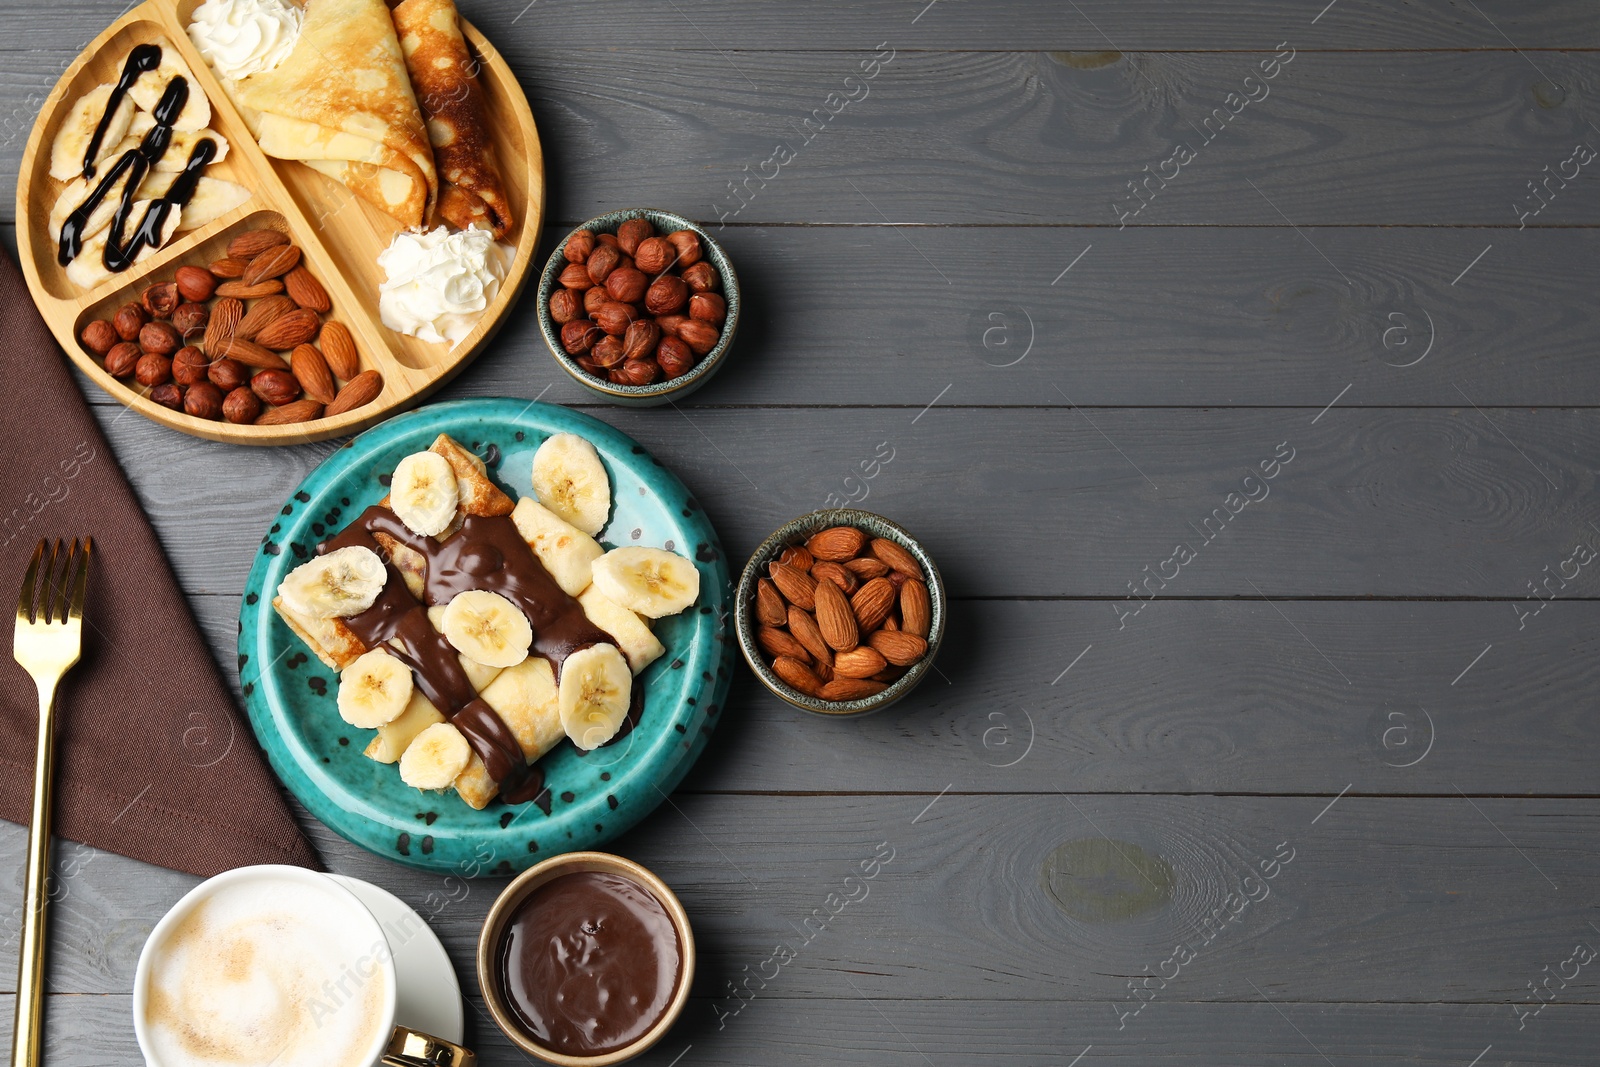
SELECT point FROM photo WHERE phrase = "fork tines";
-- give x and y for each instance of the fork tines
(55, 594)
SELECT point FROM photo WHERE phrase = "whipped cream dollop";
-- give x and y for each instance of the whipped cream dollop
(244, 37)
(439, 282)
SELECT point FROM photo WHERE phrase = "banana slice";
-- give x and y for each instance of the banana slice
(593, 696)
(73, 194)
(179, 147)
(569, 479)
(632, 634)
(147, 90)
(651, 581)
(72, 138)
(396, 735)
(566, 551)
(343, 583)
(479, 674)
(212, 199)
(373, 690)
(487, 627)
(433, 760)
(89, 269)
(423, 492)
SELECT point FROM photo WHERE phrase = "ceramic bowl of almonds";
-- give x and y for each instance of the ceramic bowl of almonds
(639, 306)
(840, 612)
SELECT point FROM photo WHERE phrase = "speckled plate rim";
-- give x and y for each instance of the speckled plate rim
(673, 740)
(803, 527)
(655, 392)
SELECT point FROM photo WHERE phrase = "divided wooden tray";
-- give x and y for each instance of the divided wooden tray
(339, 234)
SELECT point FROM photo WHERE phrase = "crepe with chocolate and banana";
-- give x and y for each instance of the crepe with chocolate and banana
(342, 104)
(471, 192)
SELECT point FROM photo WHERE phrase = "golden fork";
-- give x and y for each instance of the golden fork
(49, 638)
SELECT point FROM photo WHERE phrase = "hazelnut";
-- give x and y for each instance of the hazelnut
(608, 352)
(636, 372)
(160, 299)
(159, 338)
(627, 284)
(575, 276)
(701, 277)
(631, 232)
(152, 369)
(669, 323)
(241, 406)
(708, 307)
(653, 255)
(589, 365)
(128, 321)
(98, 337)
(121, 359)
(168, 396)
(564, 306)
(275, 387)
(687, 243)
(190, 365)
(228, 374)
(674, 356)
(594, 299)
(190, 319)
(601, 262)
(578, 246)
(203, 400)
(196, 284)
(641, 338)
(700, 336)
(613, 318)
(579, 335)
(606, 239)
(667, 294)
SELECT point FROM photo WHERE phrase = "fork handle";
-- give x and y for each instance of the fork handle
(28, 1032)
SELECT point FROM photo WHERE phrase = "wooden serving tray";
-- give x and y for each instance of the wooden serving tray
(339, 234)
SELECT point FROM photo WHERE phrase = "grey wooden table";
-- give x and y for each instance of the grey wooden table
(1317, 786)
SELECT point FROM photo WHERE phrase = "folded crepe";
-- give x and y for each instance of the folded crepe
(341, 103)
(471, 192)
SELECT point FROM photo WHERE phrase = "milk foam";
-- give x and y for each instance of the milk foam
(267, 970)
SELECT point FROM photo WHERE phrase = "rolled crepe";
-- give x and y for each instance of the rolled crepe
(342, 104)
(471, 192)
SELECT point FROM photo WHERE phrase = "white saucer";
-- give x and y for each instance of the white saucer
(427, 997)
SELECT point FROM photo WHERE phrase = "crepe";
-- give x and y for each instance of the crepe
(341, 103)
(471, 192)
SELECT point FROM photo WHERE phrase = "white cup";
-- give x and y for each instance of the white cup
(359, 998)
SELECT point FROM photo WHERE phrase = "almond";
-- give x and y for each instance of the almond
(796, 557)
(297, 411)
(797, 675)
(896, 557)
(289, 330)
(770, 608)
(889, 674)
(306, 291)
(836, 574)
(850, 689)
(252, 243)
(824, 671)
(251, 354)
(898, 647)
(273, 263)
(795, 584)
(862, 662)
(891, 623)
(778, 643)
(834, 617)
(250, 292)
(339, 349)
(228, 268)
(313, 374)
(916, 613)
(804, 628)
(260, 313)
(872, 603)
(226, 314)
(866, 568)
(836, 543)
(361, 389)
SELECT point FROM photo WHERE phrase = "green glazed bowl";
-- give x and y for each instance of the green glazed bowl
(594, 796)
(797, 532)
(643, 396)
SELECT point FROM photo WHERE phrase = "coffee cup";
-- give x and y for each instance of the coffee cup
(274, 965)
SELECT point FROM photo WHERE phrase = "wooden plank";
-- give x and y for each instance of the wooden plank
(1383, 900)
(1374, 502)
(1338, 138)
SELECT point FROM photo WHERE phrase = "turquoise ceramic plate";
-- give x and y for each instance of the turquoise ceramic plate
(595, 796)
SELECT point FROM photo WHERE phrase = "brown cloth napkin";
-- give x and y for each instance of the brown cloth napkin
(153, 760)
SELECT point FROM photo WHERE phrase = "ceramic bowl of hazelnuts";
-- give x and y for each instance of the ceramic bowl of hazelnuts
(840, 612)
(639, 306)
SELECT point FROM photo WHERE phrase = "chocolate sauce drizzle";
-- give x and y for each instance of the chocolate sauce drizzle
(136, 163)
(487, 553)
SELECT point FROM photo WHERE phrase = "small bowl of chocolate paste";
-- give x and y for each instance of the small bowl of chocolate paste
(586, 960)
